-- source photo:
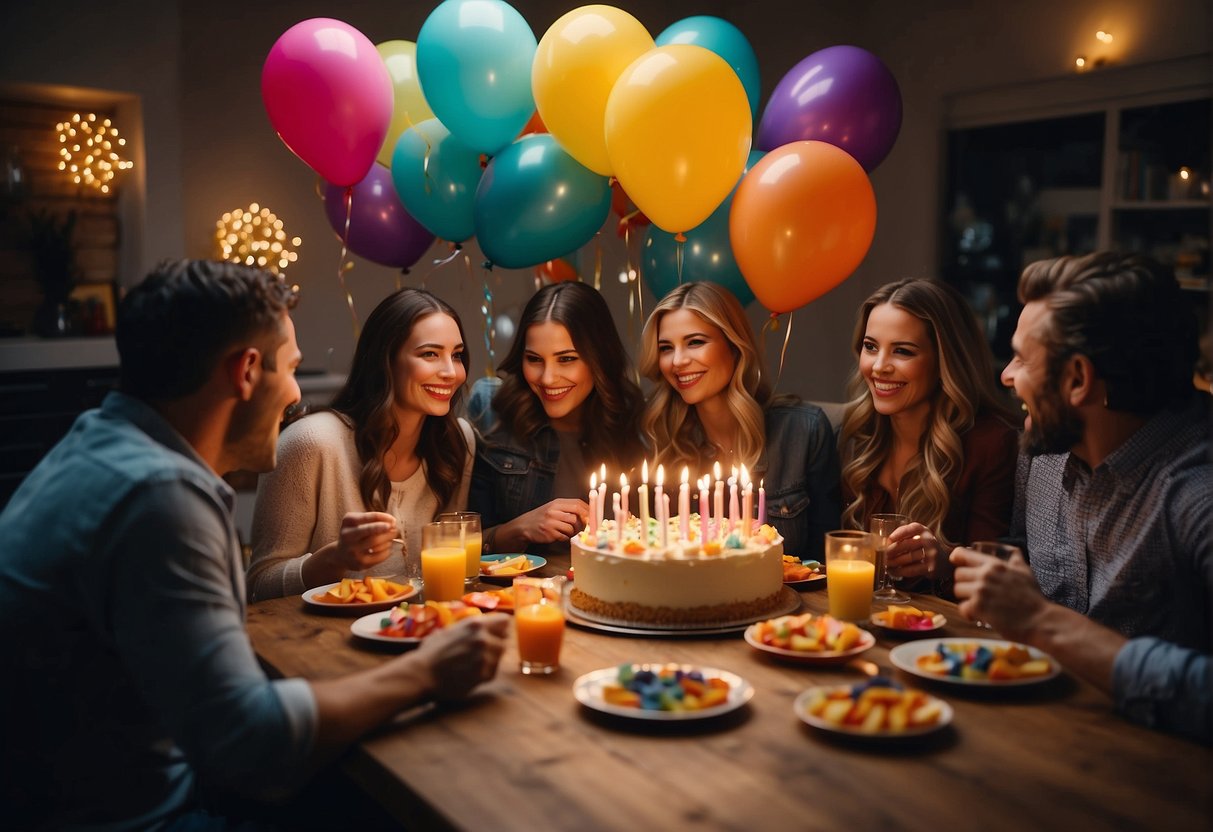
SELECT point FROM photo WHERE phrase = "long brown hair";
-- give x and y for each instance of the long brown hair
(609, 423)
(966, 388)
(367, 400)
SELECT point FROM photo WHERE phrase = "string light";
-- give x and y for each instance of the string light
(88, 151)
(254, 236)
(1080, 63)
(1103, 37)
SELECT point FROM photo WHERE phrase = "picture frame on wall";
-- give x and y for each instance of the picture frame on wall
(95, 308)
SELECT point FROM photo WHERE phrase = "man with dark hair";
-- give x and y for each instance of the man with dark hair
(1116, 494)
(133, 683)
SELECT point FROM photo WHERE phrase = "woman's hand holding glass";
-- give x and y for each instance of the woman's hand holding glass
(914, 552)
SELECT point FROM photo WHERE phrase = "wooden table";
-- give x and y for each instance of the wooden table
(523, 754)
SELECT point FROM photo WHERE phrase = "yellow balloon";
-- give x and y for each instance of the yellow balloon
(409, 107)
(678, 132)
(577, 63)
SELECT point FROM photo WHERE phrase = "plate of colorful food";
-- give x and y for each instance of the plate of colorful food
(875, 709)
(502, 600)
(907, 619)
(809, 638)
(801, 574)
(410, 623)
(359, 595)
(662, 691)
(975, 661)
(508, 567)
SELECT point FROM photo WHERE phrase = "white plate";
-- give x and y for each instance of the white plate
(354, 608)
(904, 656)
(807, 582)
(866, 640)
(588, 691)
(534, 560)
(800, 706)
(368, 628)
(937, 622)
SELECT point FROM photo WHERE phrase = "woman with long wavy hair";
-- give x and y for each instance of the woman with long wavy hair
(711, 404)
(927, 432)
(382, 460)
(564, 404)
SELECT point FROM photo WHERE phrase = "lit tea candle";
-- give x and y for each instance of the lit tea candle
(642, 496)
(684, 504)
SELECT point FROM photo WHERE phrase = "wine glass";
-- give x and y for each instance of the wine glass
(881, 526)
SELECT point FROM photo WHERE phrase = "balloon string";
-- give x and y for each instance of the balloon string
(425, 161)
(633, 272)
(342, 265)
(455, 249)
(678, 244)
(319, 188)
(598, 261)
(787, 336)
(486, 309)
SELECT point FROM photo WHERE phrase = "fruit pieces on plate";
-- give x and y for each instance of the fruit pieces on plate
(807, 633)
(905, 618)
(366, 590)
(978, 662)
(665, 689)
(419, 620)
(509, 566)
(796, 570)
(502, 600)
(875, 706)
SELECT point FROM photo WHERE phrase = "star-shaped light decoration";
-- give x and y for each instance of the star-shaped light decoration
(254, 236)
(88, 151)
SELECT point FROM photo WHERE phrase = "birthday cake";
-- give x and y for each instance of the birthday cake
(623, 578)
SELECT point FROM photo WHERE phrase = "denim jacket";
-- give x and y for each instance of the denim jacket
(801, 476)
(509, 477)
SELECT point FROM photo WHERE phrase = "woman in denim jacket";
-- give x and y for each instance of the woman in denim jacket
(711, 404)
(563, 405)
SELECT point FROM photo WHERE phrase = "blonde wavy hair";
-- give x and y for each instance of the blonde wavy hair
(670, 425)
(966, 388)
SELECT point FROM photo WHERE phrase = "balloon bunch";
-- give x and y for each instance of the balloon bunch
(478, 129)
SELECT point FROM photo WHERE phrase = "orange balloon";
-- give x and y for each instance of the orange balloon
(557, 271)
(535, 125)
(802, 221)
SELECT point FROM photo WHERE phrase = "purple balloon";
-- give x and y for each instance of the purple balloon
(380, 229)
(842, 95)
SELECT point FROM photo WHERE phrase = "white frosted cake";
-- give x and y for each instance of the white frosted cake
(732, 579)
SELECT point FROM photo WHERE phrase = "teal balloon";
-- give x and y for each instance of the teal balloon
(707, 253)
(436, 176)
(474, 65)
(535, 203)
(727, 41)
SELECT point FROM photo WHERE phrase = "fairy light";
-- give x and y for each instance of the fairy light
(254, 236)
(1103, 37)
(89, 151)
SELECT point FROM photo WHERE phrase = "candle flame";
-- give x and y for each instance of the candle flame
(623, 480)
(644, 472)
(661, 475)
(593, 482)
(745, 475)
(716, 470)
(686, 474)
(602, 474)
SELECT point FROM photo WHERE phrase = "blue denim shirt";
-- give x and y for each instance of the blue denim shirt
(509, 477)
(801, 476)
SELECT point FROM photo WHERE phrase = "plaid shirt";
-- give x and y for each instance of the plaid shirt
(1128, 544)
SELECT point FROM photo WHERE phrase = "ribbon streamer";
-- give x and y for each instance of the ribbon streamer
(787, 336)
(343, 265)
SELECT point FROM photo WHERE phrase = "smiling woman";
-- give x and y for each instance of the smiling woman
(386, 458)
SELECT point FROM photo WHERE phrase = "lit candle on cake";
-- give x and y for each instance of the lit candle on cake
(734, 509)
(602, 495)
(593, 518)
(718, 500)
(703, 510)
(665, 520)
(642, 495)
(762, 504)
(618, 521)
(658, 493)
(623, 496)
(747, 503)
(684, 504)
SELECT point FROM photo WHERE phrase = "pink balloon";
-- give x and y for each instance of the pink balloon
(329, 96)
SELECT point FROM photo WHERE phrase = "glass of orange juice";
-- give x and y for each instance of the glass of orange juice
(443, 561)
(470, 538)
(850, 574)
(539, 623)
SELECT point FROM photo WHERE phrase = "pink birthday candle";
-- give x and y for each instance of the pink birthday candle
(684, 504)
(734, 508)
(747, 503)
(593, 518)
(762, 504)
(718, 501)
(703, 510)
(665, 520)
(618, 521)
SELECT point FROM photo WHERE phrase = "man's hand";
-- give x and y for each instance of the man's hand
(1003, 594)
(463, 655)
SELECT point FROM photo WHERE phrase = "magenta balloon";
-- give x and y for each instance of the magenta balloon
(329, 96)
(380, 229)
(842, 95)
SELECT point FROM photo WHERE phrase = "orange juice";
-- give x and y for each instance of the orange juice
(540, 629)
(442, 570)
(474, 545)
(849, 585)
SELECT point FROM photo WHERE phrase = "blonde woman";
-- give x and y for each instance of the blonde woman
(711, 404)
(927, 432)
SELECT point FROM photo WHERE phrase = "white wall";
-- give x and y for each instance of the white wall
(209, 147)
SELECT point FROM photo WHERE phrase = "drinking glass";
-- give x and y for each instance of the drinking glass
(469, 538)
(881, 525)
(539, 625)
(850, 574)
(411, 560)
(1002, 551)
(443, 560)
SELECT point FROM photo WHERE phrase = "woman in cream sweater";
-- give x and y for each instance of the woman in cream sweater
(384, 459)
